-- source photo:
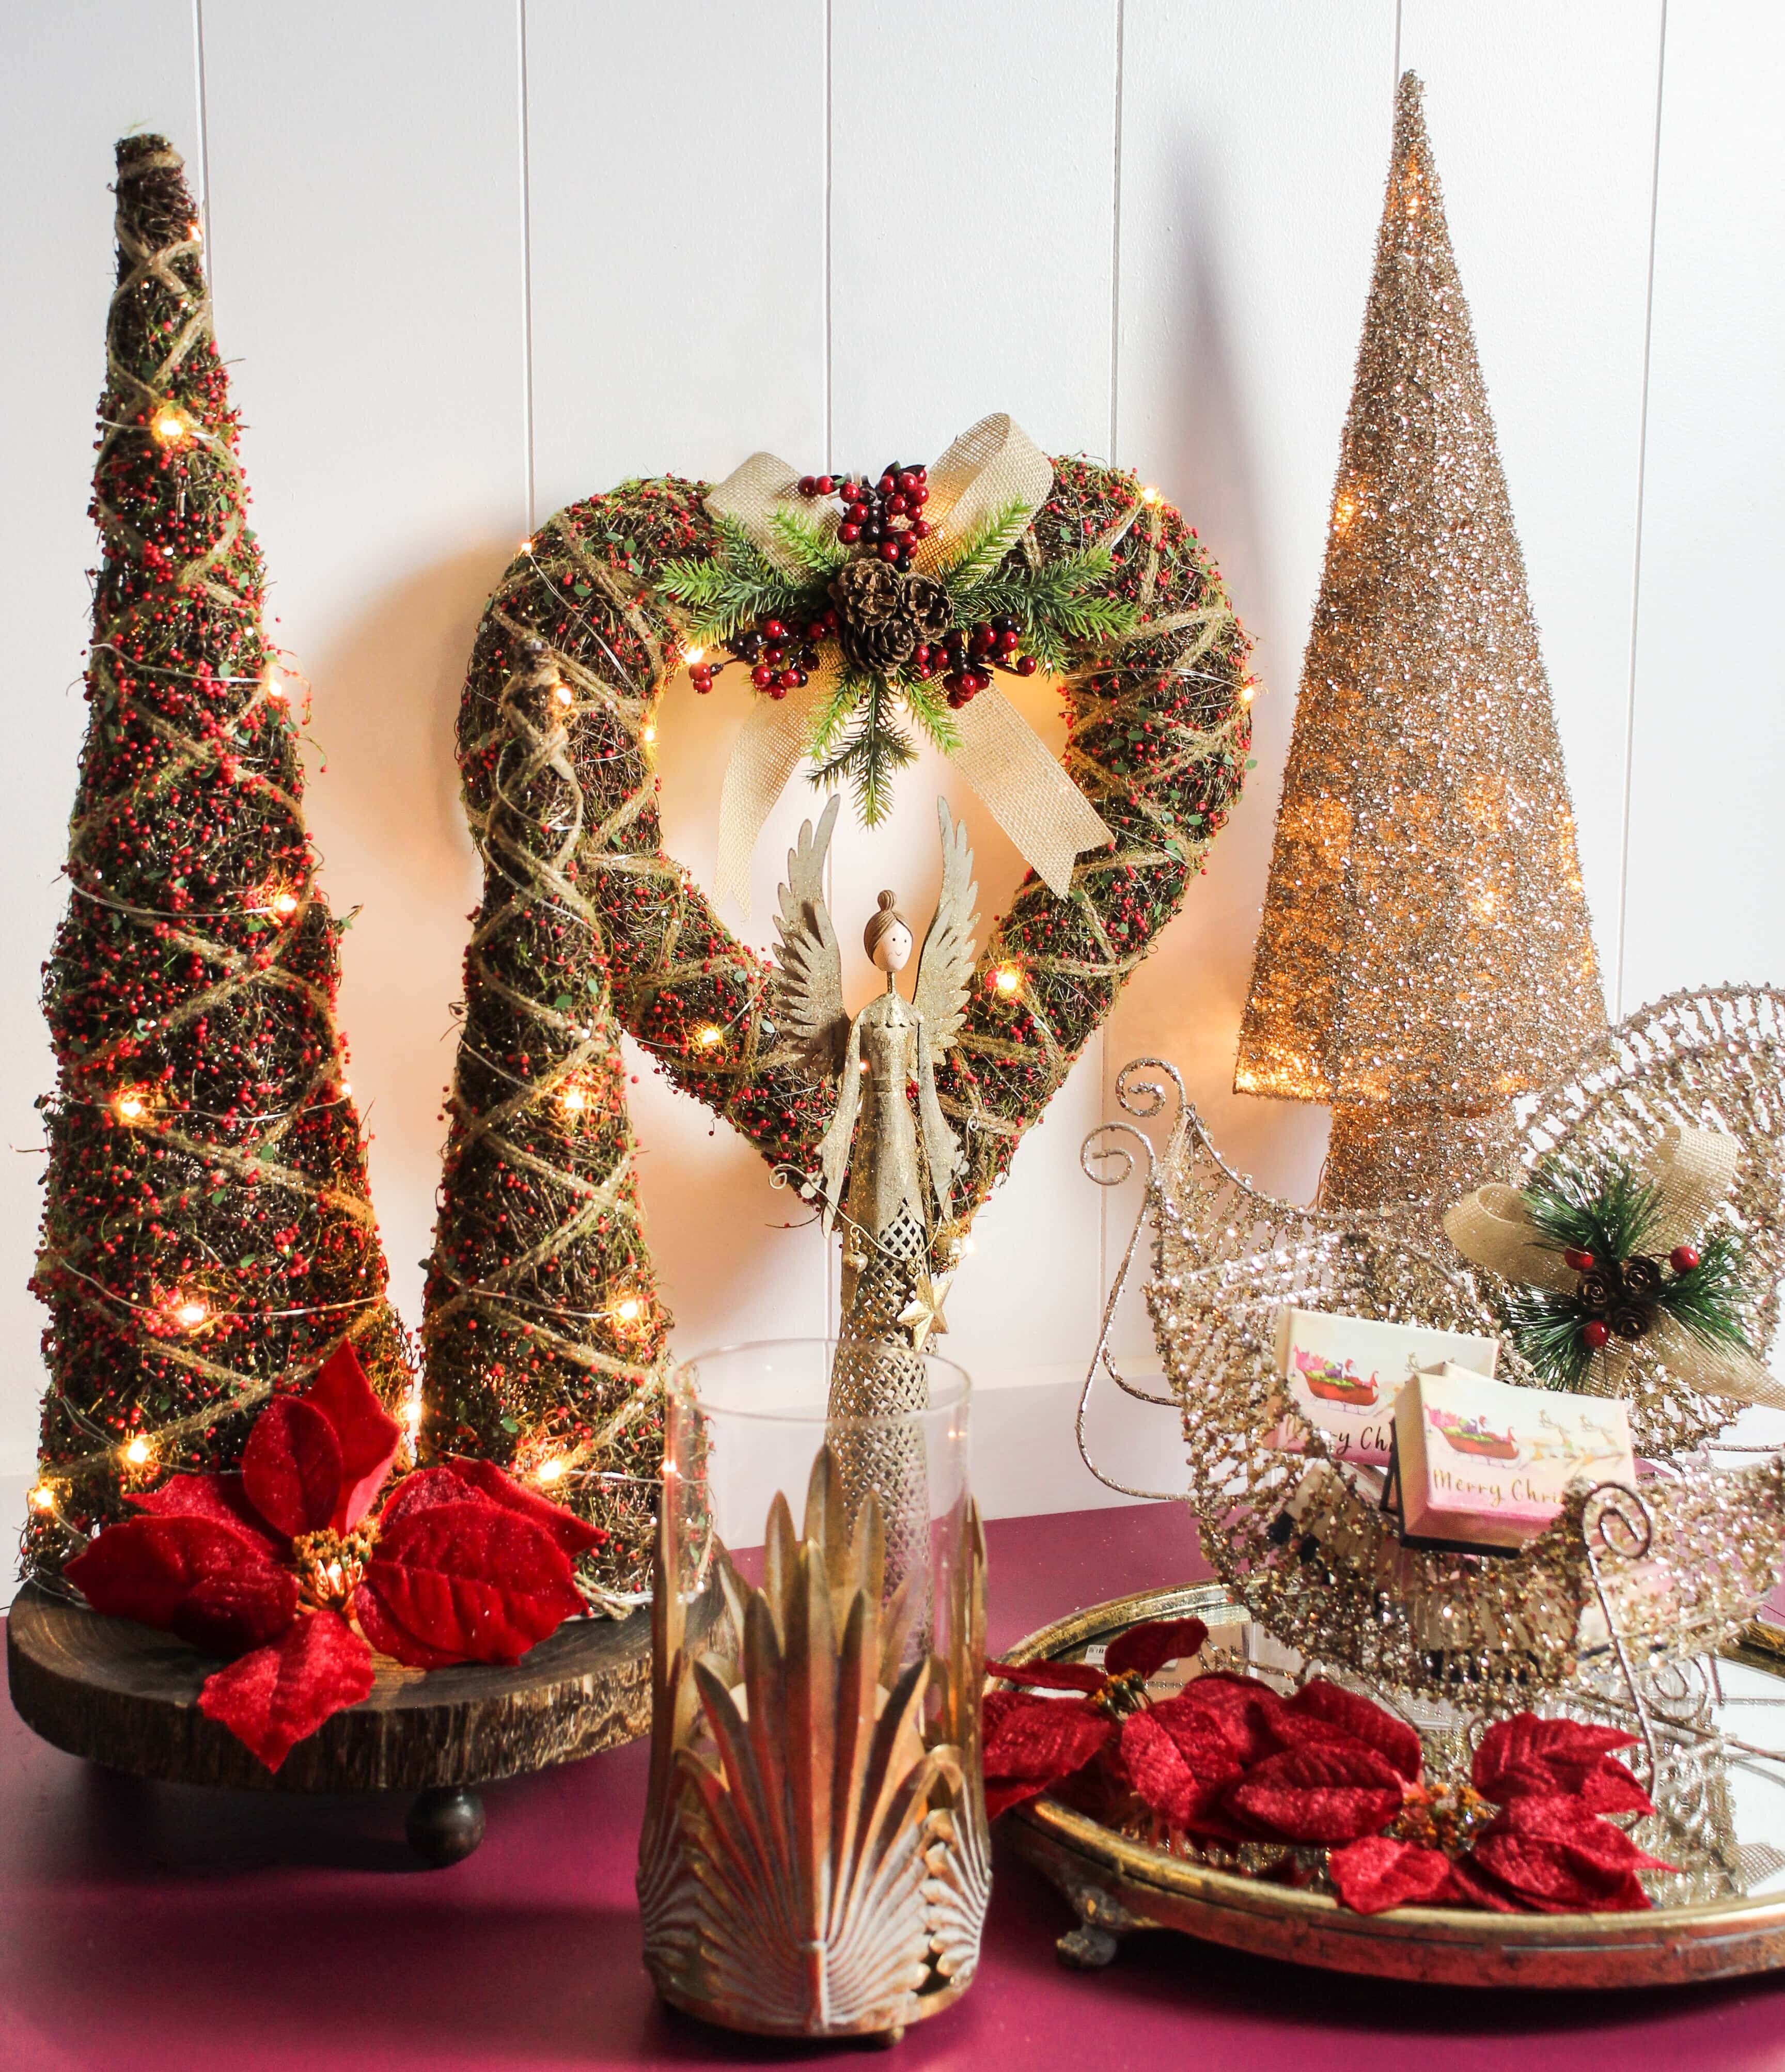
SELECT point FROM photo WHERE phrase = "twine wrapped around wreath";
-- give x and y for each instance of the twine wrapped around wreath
(1160, 728)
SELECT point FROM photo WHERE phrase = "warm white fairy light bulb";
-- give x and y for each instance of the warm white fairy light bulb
(710, 1037)
(552, 1470)
(42, 1498)
(191, 1312)
(138, 1451)
(1007, 978)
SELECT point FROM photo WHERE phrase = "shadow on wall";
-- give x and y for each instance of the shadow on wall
(385, 808)
(383, 800)
(1187, 1004)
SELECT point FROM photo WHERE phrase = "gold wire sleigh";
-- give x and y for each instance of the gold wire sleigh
(1644, 1576)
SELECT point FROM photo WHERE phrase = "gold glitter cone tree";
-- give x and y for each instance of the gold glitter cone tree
(1424, 953)
(207, 1235)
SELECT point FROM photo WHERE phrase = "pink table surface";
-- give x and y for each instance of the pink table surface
(151, 1926)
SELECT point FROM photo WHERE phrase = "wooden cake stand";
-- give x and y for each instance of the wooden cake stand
(121, 1695)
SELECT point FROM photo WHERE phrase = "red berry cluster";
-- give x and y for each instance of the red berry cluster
(780, 657)
(971, 657)
(886, 514)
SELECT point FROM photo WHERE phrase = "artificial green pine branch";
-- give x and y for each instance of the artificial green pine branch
(820, 553)
(870, 754)
(927, 707)
(983, 552)
(851, 687)
(738, 587)
(1607, 1209)
(1709, 1298)
(1604, 1210)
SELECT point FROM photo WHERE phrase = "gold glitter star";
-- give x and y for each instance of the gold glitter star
(923, 1312)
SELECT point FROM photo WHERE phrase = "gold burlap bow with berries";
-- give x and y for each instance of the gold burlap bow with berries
(1692, 1171)
(1047, 818)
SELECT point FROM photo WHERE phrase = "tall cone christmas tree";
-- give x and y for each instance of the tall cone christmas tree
(1425, 954)
(207, 1237)
(544, 1335)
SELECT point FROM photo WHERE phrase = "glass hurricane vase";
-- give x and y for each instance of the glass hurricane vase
(814, 1860)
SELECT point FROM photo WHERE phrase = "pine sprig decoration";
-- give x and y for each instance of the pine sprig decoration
(1709, 1298)
(983, 552)
(926, 636)
(871, 753)
(818, 553)
(1599, 1216)
(208, 1238)
(736, 588)
(1604, 1210)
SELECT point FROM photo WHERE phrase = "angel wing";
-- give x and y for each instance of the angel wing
(945, 970)
(808, 979)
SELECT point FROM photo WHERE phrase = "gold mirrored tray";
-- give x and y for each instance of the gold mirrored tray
(1722, 1917)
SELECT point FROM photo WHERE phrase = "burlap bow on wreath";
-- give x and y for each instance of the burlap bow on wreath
(1630, 1302)
(991, 480)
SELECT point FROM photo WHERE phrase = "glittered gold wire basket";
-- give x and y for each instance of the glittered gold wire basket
(1635, 1577)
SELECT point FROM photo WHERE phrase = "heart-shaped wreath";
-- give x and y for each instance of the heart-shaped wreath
(543, 1331)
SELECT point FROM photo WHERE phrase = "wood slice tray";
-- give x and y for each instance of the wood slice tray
(121, 1695)
(1115, 1884)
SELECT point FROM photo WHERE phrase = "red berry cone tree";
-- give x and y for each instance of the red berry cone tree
(207, 1237)
(544, 1334)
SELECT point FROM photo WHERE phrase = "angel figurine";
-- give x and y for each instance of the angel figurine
(887, 1173)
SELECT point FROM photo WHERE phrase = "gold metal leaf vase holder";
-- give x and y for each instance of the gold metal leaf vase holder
(814, 1860)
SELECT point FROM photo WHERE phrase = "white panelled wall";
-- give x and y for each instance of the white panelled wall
(473, 258)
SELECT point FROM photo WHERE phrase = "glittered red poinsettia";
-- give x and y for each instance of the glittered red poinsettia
(284, 1567)
(1230, 1760)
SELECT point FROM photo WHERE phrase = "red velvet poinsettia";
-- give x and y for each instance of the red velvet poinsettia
(1032, 1744)
(278, 1565)
(1230, 1759)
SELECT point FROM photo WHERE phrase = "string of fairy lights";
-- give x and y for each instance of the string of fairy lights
(208, 1238)
(557, 1368)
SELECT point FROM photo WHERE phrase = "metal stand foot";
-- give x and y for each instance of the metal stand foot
(1102, 1924)
(445, 1825)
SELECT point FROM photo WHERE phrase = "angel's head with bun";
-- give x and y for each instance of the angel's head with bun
(887, 938)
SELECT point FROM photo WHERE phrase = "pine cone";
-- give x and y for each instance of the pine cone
(1599, 1289)
(866, 592)
(926, 607)
(1630, 1321)
(876, 632)
(882, 645)
(1642, 1279)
